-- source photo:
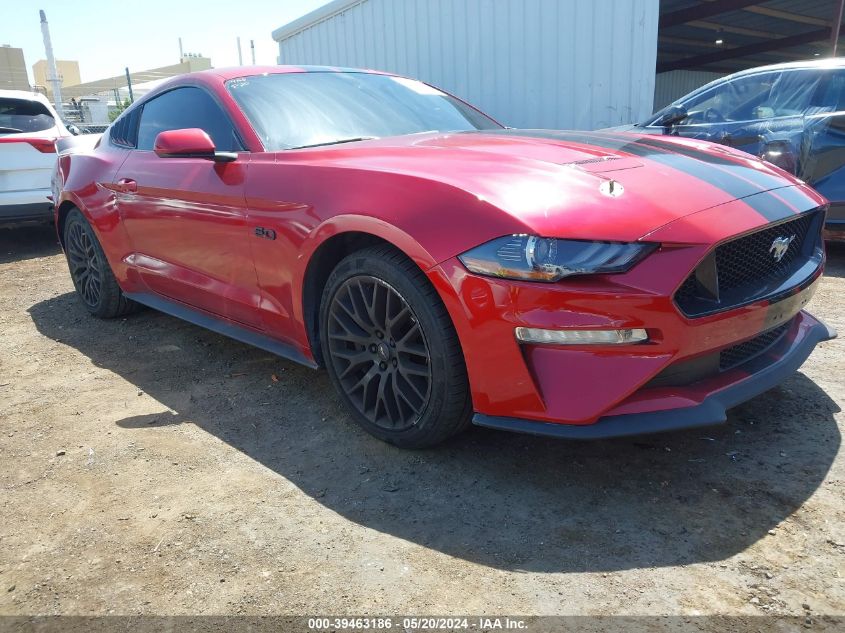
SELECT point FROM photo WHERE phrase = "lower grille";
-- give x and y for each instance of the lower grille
(744, 352)
(687, 372)
(745, 269)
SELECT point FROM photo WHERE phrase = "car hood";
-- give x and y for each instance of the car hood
(587, 185)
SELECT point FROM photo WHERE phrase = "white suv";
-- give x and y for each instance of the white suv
(29, 127)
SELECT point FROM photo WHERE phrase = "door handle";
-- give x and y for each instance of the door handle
(127, 185)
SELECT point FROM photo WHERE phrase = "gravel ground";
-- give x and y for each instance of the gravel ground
(148, 466)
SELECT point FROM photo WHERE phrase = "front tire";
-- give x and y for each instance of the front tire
(92, 276)
(391, 350)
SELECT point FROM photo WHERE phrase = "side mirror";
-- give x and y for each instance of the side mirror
(781, 154)
(672, 115)
(189, 143)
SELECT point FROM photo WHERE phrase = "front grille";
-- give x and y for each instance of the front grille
(744, 352)
(750, 260)
(745, 269)
(689, 291)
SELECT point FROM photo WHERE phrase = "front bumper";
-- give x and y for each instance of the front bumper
(692, 364)
(711, 399)
(579, 385)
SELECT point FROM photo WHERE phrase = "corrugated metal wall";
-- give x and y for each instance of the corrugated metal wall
(676, 83)
(528, 63)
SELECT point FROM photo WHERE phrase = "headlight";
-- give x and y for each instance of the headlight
(549, 259)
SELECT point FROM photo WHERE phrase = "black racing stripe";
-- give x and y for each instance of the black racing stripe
(784, 201)
(769, 205)
(734, 178)
(759, 180)
(762, 179)
(725, 179)
(797, 198)
(605, 142)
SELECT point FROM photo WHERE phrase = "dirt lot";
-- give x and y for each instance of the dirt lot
(150, 466)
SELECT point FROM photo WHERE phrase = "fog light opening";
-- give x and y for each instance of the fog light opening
(581, 337)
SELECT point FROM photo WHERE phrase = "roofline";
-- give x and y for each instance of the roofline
(315, 17)
(816, 62)
(24, 94)
(826, 62)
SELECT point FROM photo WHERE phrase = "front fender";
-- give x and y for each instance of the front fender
(336, 226)
(356, 223)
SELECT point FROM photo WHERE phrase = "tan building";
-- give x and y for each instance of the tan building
(189, 64)
(12, 69)
(68, 72)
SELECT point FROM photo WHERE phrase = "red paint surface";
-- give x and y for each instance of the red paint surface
(187, 233)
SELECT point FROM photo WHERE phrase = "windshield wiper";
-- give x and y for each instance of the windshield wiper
(337, 142)
(12, 130)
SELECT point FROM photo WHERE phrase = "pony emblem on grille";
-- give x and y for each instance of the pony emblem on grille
(780, 246)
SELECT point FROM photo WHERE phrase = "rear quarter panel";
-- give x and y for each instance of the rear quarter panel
(84, 180)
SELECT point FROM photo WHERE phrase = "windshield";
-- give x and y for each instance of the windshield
(24, 115)
(293, 110)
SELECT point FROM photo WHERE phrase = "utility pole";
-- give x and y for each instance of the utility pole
(252, 46)
(240, 56)
(52, 74)
(837, 25)
(181, 52)
(129, 85)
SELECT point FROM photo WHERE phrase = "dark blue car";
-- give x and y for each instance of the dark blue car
(792, 115)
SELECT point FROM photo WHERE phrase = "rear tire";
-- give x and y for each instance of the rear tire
(92, 276)
(391, 350)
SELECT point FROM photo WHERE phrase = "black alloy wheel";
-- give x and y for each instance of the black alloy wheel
(92, 276)
(85, 264)
(391, 349)
(379, 352)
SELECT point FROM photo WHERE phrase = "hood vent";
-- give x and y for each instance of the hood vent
(601, 164)
(590, 161)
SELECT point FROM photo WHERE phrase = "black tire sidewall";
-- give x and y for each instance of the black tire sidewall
(111, 302)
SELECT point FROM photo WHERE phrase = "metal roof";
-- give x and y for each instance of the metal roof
(731, 35)
(308, 20)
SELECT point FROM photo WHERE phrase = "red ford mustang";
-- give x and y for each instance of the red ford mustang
(445, 269)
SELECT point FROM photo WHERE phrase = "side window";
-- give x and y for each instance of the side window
(184, 108)
(830, 96)
(124, 131)
(791, 94)
(739, 99)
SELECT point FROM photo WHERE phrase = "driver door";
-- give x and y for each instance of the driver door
(186, 217)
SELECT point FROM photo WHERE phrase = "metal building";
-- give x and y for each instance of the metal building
(528, 63)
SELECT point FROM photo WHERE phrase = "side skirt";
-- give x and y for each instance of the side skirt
(226, 328)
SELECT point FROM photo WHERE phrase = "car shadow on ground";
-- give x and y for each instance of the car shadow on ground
(506, 501)
(27, 241)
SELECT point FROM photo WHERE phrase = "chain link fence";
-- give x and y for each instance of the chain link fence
(93, 113)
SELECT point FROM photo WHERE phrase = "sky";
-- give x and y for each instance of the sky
(106, 37)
